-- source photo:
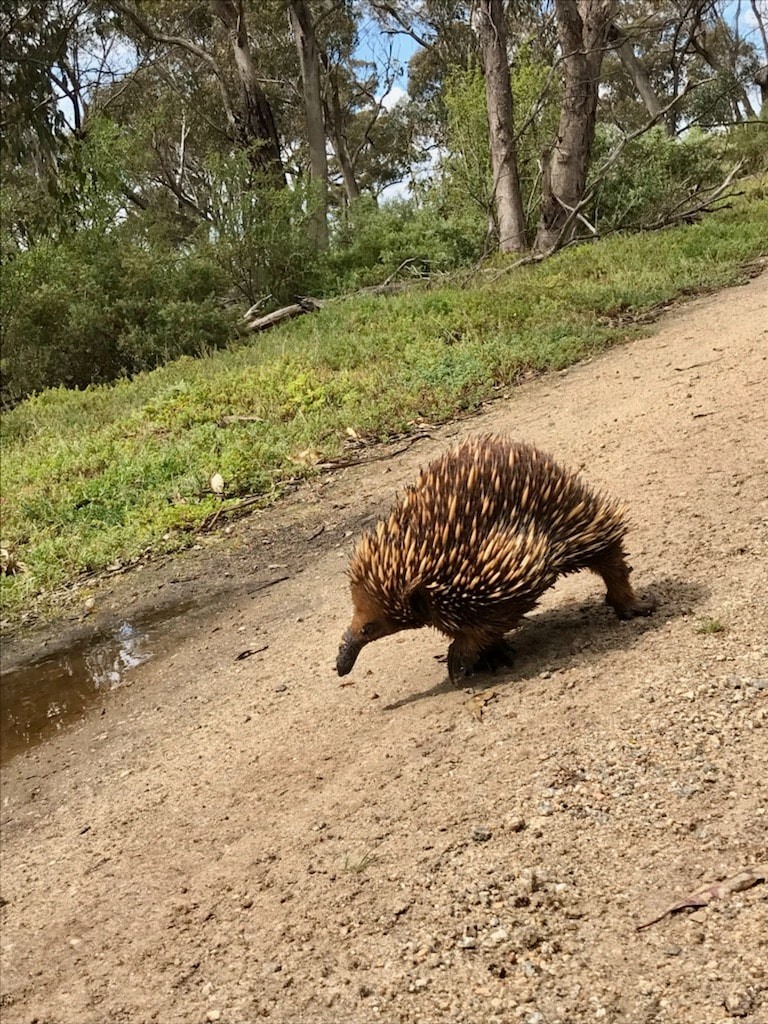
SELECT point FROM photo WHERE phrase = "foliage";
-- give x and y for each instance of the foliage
(655, 176)
(418, 237)
(33, 38)
(466, 179)
(259, 234)
(536, 94)
(95, 476)
(747, 143)
(97, 306)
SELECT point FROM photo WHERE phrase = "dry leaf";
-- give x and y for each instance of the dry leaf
(480, 701)
(308, 457)
(714, 891)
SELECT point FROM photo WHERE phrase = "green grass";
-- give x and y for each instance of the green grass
(105, 474)
(708, 626)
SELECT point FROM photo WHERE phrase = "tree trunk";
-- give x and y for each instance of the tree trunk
(637, 73)
(488, 24)
(763, 33)
(306, 43)
(582, 29)
(761, 78)
(255, 125)
(726, 69)
(335, 120)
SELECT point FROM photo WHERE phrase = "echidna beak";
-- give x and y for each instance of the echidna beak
(348, 652)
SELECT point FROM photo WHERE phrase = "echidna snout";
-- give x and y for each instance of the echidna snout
(367, 624)
(474, 543)
(348, 651)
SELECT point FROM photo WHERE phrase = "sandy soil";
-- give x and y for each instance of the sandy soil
(237, 840)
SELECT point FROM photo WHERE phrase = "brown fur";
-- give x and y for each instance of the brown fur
(471, 547)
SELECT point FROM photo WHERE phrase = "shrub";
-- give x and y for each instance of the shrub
(372, 242)
(99, 306)
(655, 175)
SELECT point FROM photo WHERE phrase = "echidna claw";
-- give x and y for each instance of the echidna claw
(638, 607)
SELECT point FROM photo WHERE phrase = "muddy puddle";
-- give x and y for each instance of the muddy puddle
(41, 697)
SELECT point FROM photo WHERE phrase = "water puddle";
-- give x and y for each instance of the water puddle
(41, 697)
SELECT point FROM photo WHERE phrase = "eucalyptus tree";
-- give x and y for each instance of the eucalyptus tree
(583, 29)
(488, 24)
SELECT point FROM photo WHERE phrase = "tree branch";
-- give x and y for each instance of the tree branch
(185, 44)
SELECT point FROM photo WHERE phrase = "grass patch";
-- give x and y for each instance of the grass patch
(105, 474)
(710, 626)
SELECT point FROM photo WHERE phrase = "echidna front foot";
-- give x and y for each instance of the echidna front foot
(498, 655)
(465, 661)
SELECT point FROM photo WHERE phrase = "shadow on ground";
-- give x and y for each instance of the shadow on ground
(554, 639)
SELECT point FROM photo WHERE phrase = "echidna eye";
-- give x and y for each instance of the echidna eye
(366, 629)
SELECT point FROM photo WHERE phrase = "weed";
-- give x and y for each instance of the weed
(708, 625)
(358, 865)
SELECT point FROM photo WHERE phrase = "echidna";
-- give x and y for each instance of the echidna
(474, 543)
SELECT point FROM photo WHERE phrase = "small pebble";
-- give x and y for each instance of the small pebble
(481, 833)
(496, 937)
(738, 1004)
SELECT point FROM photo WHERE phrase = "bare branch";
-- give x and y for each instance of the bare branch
(407, 29)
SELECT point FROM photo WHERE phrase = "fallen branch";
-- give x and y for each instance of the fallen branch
(702, 207)
(210, 521)
(305, 304)
(389, 286)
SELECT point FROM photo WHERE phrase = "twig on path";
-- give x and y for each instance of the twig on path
(250, 651)
(267, 583)
(714, 891)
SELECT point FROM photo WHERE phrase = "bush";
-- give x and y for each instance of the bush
(374, 241)
(748, 142)
(655, 175)
(261, 237)
(96, 306)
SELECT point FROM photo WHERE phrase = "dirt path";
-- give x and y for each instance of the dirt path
(244, 840)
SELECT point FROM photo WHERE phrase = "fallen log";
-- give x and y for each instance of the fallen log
(304, 304)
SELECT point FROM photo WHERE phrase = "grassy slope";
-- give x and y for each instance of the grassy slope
(91, 477)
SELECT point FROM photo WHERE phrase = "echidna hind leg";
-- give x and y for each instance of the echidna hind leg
(612, 566)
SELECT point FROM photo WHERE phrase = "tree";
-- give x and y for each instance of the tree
(303, 27)
(488, 23)
(635, 69)
(250, 118)
(34, 41)
(582, 29)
